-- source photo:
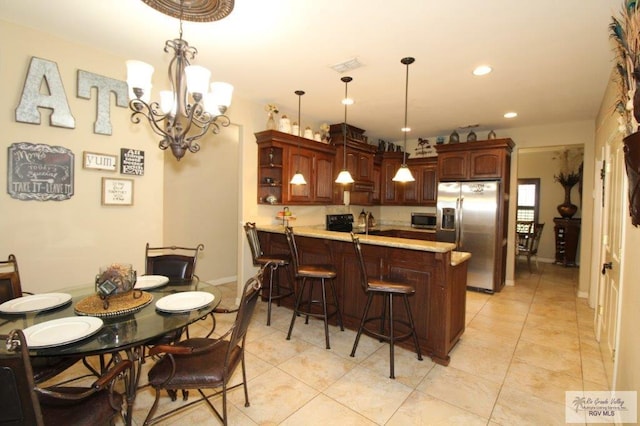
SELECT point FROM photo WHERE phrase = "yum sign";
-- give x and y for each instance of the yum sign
(44, 73)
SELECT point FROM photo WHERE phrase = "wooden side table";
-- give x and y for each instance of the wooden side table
(567, 232)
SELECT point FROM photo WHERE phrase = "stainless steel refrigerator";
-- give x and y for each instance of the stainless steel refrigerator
(467, 215)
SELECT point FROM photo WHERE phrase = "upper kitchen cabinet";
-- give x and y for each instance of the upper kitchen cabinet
(280, 155)
(359, 162)
(390, 192)
(424, 190)
(478, 160)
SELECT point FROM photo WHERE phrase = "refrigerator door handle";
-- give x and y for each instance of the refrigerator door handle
(457, 221)
(460, 223)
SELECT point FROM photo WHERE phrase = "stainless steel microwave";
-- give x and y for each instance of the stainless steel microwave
(423, 220)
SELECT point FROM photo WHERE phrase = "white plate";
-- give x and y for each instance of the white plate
(35, 303)
(184, 302)
(146, 282)
(61, 331)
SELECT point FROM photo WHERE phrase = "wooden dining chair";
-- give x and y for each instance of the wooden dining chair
(529, 246)
(204, 363)
(24, 403)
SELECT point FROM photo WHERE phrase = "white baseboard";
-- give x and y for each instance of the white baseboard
(223, 280)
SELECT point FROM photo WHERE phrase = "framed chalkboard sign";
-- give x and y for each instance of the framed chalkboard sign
(39, 172)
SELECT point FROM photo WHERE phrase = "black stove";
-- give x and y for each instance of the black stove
(340, 222)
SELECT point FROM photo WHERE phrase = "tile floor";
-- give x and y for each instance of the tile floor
(522, 348)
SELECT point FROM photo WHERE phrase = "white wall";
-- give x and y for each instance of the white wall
(63, 243)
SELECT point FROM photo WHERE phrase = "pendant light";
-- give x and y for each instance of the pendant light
(344, 177)
(404, 174)
(298, 178)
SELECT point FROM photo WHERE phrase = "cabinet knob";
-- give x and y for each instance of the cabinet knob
(605, 266)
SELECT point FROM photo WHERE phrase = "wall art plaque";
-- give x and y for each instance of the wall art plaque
(117, 192)
(39, 172)
(93, 160)
(131, 161)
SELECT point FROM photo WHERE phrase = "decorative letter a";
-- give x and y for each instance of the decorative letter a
(41, 70)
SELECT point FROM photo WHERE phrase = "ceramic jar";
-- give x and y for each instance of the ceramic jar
(285, 124)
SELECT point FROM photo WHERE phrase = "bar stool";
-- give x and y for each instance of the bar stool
(274, 261)
(387, 289)
(312, 273)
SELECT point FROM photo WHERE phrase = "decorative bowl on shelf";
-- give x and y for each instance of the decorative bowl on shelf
(271, 199)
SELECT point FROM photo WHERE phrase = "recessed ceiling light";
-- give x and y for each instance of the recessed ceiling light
(482, 70)
(511, 115)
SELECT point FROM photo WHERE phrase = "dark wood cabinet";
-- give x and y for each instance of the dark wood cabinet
(483, 160)
(359, 163)
(377, 181)
(280, 155)
(438, 305)
(424, 190)
(567, 233)
(390, 191)
(478, 160)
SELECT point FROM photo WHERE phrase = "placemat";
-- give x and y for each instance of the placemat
(120, 304)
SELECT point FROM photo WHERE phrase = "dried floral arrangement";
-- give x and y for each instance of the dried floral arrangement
(570, 160)
(625, 32)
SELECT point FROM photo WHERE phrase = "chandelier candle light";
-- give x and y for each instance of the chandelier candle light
(178, 122)
(404, 174)
(344, 177)
(298, 178)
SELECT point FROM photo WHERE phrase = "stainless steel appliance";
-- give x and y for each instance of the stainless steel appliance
(423, 220)
(467, 215)
(340, 222)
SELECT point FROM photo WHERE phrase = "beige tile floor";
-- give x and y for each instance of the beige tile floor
(522, 349)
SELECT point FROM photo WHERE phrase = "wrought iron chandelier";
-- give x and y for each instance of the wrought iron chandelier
(178, 118)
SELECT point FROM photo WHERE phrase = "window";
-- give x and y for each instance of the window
(528, 201)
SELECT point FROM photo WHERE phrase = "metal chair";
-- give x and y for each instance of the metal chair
(203, 363)
(11, 288)
(386, 289)
(179, 265)
(23, 403)
(176, 263)
(274, 261)
(528, 246)
(312, 273)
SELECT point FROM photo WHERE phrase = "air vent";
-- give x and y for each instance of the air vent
(345, 66)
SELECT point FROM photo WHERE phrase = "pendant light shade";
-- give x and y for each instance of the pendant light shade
(298, 177)
(344, 177)
(404, 174)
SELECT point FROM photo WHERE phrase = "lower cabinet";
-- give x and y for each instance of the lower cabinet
(567, 236)
(438, 306)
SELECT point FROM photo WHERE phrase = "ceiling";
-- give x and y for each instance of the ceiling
(551, 59)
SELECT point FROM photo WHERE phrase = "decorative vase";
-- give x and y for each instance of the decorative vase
(271, 122)
(567, 209)
(454, 137)
(632, 166)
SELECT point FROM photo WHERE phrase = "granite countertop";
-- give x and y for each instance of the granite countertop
(405, 243)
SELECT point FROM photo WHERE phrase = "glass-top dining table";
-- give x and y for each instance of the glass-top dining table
(127, 333)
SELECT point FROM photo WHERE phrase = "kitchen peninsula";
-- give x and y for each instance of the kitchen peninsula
(438, 273)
